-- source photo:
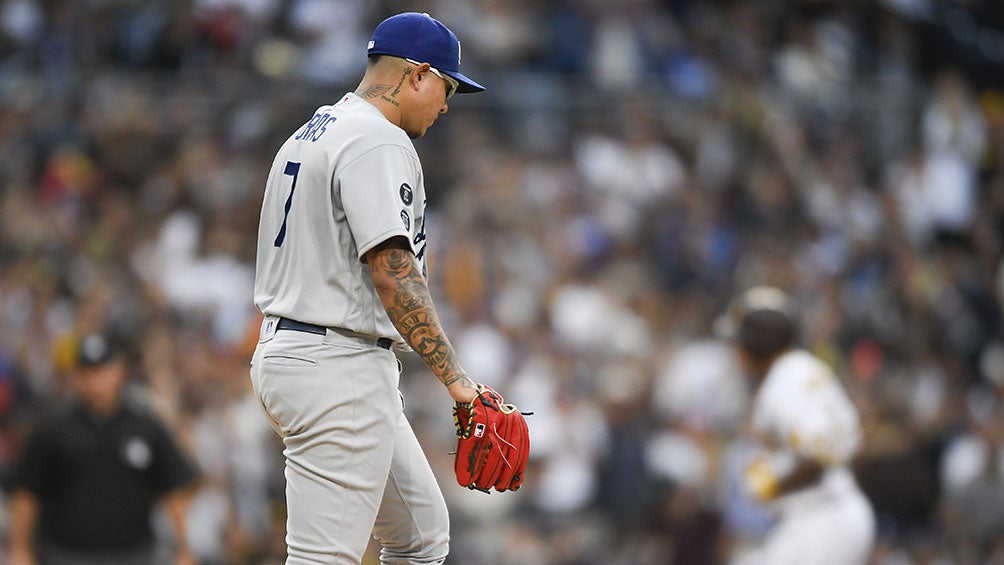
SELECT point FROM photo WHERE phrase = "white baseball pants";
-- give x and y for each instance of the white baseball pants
(354, 467)
(839, 531)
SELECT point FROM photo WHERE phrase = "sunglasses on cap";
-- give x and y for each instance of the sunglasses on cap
(451, 83)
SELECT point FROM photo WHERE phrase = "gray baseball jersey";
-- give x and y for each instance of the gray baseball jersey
(344, 182)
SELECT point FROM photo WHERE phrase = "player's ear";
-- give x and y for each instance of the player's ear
(418, 74)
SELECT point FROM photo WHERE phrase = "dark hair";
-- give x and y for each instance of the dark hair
(765, 333)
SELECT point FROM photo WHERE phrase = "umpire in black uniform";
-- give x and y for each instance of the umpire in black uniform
(91, 472)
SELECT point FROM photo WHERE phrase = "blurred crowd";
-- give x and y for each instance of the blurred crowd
(632, 166)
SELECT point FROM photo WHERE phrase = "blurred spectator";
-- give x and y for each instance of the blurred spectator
(332, 38)
(954, 138)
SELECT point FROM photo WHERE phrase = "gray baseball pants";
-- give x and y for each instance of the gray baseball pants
(354, 467)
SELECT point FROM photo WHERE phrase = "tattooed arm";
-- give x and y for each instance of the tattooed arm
(406, 297)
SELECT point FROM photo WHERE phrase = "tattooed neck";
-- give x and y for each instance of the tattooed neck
(404, 75)
(374, 91)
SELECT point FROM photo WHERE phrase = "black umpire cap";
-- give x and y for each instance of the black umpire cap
(97, 349)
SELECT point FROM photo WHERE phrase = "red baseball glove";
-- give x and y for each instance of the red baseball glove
(493, 443)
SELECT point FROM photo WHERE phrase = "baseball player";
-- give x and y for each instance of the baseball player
(340, 279)
(808, 431)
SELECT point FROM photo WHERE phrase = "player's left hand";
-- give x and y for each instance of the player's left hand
(493, 442)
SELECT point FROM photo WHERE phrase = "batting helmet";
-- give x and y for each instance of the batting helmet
(761, 320)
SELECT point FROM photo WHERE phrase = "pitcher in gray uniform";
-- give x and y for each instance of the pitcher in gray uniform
(340, 278)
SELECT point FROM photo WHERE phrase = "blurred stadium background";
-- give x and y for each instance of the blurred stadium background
(632, 165)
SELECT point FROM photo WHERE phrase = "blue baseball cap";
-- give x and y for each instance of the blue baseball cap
(422, 38)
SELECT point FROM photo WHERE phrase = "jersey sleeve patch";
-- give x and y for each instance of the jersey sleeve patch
(372, 189)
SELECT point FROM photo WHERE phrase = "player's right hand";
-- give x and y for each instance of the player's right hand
(463, 390)
(760, 482)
